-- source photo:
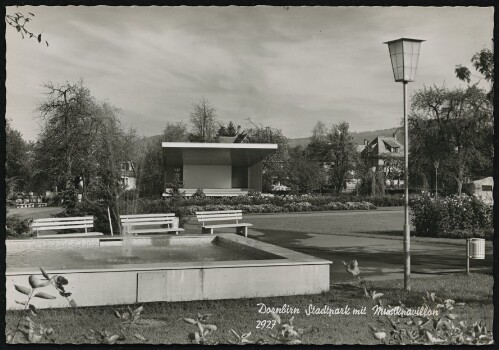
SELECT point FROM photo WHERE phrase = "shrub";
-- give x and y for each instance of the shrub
(17, 226)
(98, 210)
(254, 193)
(199, 193)
(453, 217)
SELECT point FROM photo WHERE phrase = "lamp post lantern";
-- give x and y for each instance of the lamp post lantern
(404, 55)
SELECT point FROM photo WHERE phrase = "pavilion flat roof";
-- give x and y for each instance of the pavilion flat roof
(219, 145)
(238, 154)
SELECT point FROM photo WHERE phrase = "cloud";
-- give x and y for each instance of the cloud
(284, 68)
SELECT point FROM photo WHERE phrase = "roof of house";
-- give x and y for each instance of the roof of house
(381, 145)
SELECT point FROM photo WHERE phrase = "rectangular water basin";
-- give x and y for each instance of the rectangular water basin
(163, 268)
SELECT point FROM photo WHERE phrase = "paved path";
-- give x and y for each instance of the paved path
(329, 236)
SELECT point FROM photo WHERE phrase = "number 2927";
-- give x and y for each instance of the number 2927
(263, 324)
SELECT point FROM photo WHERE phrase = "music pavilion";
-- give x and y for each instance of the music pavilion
(220, 169)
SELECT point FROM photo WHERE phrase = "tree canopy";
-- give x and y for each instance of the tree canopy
(82, 145)
(18, 160)
(274, 166)
(453, 127)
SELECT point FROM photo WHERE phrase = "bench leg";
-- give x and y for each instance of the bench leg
(206, 230)
(245, 231)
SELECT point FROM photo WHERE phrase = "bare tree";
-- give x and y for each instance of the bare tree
(204, 122)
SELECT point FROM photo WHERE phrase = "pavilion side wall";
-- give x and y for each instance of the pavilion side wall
(255, 176)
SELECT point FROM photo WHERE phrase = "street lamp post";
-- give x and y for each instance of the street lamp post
(436, 163)
(404, 55)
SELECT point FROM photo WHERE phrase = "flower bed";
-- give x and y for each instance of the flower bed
(452, 217)
(248, 204)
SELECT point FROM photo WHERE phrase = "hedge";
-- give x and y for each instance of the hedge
(452, 217)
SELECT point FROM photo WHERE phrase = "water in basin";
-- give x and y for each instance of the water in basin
(98, 257)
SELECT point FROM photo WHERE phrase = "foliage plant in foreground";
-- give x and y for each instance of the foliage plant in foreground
(203, 329)
(36, 332)
(431, 328)
(435, 329)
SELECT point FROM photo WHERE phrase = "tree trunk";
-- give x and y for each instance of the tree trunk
(459, 186)
(460, 179)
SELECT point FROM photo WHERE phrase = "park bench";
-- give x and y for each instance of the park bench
(148, 220)
(225, 215)
(65, 223)
(25, 205)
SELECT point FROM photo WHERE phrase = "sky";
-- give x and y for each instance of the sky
(285, 68)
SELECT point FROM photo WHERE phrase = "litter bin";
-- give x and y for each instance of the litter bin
(477, 248)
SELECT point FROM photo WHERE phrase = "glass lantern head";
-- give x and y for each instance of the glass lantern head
(404, 54)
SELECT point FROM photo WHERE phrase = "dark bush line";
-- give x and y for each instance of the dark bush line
(452, 217)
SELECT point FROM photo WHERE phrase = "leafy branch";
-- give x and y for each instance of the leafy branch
(19, 22)
(35, 333)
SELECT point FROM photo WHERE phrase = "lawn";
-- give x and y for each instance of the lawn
(161, 322)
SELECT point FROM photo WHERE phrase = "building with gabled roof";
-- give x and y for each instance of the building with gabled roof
(379, 151)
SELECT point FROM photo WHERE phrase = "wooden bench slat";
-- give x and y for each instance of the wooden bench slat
(219, 212)
(51, 223)
(147, 223)
(146, 215)
(75, 218)
(65, 235)
(228, 225)
(149, 220)
(218, 215)
(46, 228)
(220, 219)
(157, 230)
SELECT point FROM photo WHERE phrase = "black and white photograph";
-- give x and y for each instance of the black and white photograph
(249, 175)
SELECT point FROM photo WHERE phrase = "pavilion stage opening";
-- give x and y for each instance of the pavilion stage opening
(220, 169)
